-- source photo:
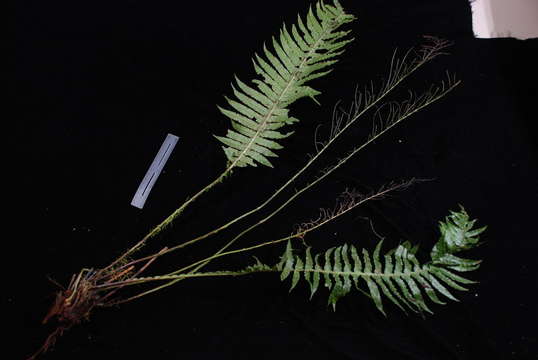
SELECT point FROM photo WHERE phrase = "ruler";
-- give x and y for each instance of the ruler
(154, 171)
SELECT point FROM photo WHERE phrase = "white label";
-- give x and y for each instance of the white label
(505, 18)
(154, 171)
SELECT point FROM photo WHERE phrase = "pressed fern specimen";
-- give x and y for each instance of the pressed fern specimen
(259, 115)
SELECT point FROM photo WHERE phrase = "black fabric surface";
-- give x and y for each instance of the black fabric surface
(100, 84)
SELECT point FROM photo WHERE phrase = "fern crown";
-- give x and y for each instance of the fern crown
(398, 275)
(258, 112)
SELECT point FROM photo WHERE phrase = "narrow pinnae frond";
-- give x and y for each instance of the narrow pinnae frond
(400, 68)
(390, 113)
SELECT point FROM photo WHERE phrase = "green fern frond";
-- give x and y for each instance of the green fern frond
(397, 275)
(300, 56)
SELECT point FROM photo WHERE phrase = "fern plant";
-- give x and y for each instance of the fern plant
(259, 115)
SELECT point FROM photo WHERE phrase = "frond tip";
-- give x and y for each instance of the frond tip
(258, 112)
(397, 275)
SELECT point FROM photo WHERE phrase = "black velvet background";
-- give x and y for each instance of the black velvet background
(99, 84)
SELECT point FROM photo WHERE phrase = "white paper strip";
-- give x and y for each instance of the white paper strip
(505, 18)
(154, 171)
(482, 19)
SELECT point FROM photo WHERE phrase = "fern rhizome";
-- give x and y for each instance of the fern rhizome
(259, 114)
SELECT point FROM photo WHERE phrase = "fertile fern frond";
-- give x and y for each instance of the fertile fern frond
(258, 114)
(397, 275)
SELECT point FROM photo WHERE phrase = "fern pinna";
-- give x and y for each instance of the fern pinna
(299, 57)
(398, 275)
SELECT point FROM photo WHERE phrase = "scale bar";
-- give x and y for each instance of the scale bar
(154, 171)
